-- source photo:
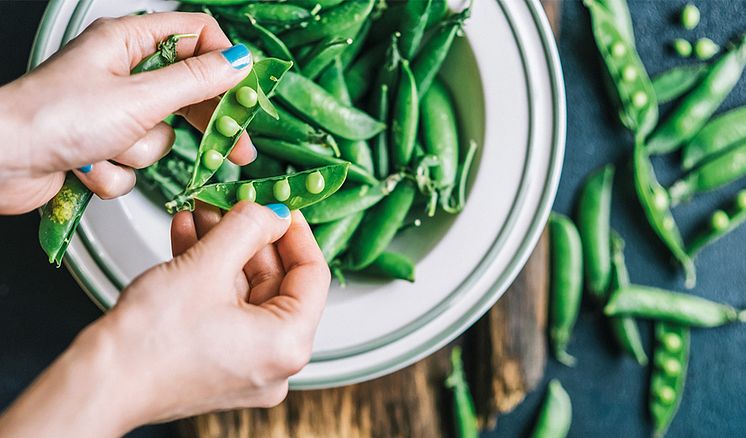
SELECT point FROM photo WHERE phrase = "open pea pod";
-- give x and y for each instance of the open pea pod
(295, 191)
(233, 115)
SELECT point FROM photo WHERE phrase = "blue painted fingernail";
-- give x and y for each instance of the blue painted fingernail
(239, 56)
(87, 168)
(281, 210)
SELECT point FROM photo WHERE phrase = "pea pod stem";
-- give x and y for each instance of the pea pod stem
(555, 416)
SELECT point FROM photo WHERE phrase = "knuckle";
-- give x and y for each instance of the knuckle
(275, 395)
(198, 70)
(294, 355)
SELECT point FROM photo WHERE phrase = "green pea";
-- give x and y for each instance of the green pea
(672, 342)
(741, 199)
(690, 16)
(281, 190)
(246, 192)
(227, 126)
(629, 73)
(666, 394)
(618, 50)
(212, 159)
(671, 367)
(247, 97)
(705, 49)
(639, 99)
(719, 220)
(315, 183)
(682, 47)
(660, 199)
(668, 223)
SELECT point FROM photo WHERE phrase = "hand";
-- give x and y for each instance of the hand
(82, 106)
(221, 326)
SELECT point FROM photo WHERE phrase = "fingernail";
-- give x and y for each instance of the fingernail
(239, 56)
(281, 210)
(87, 168)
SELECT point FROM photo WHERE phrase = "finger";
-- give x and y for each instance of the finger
(264, 272)
(107, 180)
(199, 116)
(183, 233)
(205, 218)
(149, 149)
(242, 232)
(305, 287)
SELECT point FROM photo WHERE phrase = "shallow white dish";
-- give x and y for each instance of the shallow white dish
(508, 85)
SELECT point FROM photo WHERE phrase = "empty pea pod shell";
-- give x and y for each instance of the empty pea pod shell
(226, 195)
(264, 76)
(675, 82)
(666, 387)
(555, 416)
(719, 134)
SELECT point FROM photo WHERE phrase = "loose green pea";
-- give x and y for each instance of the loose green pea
(247, 97)
(671, 342)
(689, 16)
(639, 99)
(682, 47)
(705, 49)
(629, 73)
(227, 126)
(281, 190)
(741, 199)
(212, 159)
(315, 183)
(666, 394)
(719, 220)
(246, 192)
(618, 50)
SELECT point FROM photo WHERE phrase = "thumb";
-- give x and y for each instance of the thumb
(242, 232)
(191, 80)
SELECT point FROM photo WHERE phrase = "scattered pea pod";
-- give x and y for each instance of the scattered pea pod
(662, 305)
(412, 26)
(716, 173)
(697, 107)
(464, 411)
(330, 21)
(296, 191)
(333, 237)
(392, 265)
(555, 416)
(674, 83)
(718, 135)
(670, 361)
(233, 114)
(566, 284)
(594, 212)
(405, 118)
(655, 204)
(721, 223)
(350, 201)
(440, 135)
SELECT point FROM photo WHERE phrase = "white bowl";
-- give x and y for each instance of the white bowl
(507, 82)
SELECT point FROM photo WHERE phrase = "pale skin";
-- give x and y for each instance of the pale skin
(227, 321)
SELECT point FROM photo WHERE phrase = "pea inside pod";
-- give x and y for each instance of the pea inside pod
(719, 226)
(350, 201)
(669, 374)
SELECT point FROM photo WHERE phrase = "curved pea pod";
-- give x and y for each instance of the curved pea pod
(298, 192)
(716, 173)
(464, 410)
(380, 100)
(430, 59)
(323, 54)
(718, 135)
(60, 217)
(655, 204)
(276, 13)
(333, 237)
(315, 103)
(412, 26)
(405, 118)
(380, 226)
(635, 91)
(330, 21)
(594, 213)
(670, 360)
(359, 77)
(439, 131)
(662, 305)
(677, 81)
(358, 42)
(566, 284)
(262, 78)
(697, 107)
(437, 12)
(349, 201)
(718, 227)
(392, 265)
(299, 155)
(290, 128)
(555, 416)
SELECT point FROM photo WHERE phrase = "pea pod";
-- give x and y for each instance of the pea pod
(353, 50)
(263, 166)
(714, 174)
(324, 54)
(464, 411)
(594, 212)
(717, 229)
(555, 416)
(405, 118)
(305, 188)
(333, 237)
(619, 11)
(624, 328)
(284, 14)
(437, 12)
(290, 128)
(675, 82)
(217, 2)
(315, 103)
(216, 145)
(718, 135)
(671, 360)
(380, 226)
(392, 265)
(566, 284)
(359, 76)
(272, 44)
(165, 54)
(639, 107)
(330, 22)
(457, 201)
(412, 26)
(655, 204)
(311, 4)
(300, 155)
(662, 305)
(349, 201)
(697, 107)
(380, 102)
(439, 131)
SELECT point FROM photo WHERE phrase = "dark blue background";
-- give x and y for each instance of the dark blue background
(41, 308)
